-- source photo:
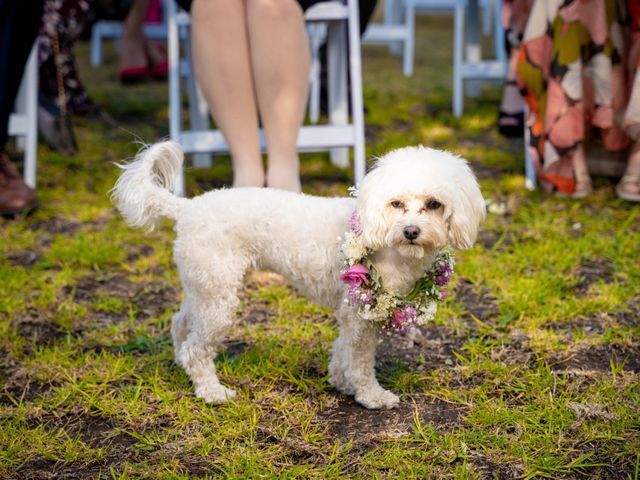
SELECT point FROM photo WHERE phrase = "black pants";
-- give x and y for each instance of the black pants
(19, 25)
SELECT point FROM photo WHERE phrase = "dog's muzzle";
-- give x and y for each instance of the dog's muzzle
(411, 232)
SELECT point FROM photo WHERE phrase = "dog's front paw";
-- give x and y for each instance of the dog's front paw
(377, 398)
(216, 393)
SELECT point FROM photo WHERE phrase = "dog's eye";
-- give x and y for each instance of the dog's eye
(396, 204)
(433, 204)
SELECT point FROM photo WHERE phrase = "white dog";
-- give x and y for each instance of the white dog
(415, 201)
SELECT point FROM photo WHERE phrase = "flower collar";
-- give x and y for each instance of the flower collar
(391, 312)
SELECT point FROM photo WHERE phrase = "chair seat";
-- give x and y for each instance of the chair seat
(326, 12)
(310, 139)
(320, 12)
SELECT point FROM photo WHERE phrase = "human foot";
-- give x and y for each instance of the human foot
(134, 66)
(629, 187)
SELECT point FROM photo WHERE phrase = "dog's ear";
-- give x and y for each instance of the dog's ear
(371, 210)
(465, 212)
(374, 227)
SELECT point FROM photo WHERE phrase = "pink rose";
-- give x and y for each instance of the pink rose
(356, 275)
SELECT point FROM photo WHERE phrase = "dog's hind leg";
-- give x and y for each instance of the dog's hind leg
(353, 360)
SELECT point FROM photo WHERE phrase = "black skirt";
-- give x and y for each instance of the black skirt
(186, 4)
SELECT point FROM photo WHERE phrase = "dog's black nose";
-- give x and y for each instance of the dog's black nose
(411, 232)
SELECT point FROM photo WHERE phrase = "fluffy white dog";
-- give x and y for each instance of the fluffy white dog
(414, 201)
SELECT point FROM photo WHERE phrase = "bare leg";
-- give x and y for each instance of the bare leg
(133, 41)
(511, 121)
(581, 170)
(223, 70)
(512, 101)
(280, 58)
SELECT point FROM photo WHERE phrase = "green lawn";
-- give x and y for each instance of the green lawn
(530, 370)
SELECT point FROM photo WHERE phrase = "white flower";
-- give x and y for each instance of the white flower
(427, 313)
(353, 247)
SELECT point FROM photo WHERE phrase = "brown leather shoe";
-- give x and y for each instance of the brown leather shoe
(15, 195)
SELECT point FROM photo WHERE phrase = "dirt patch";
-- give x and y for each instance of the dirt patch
(596, 358)
(372, 132)
(257, 314)
(590, 325)
(431, 348)
(478, 302)
(150, 298)
(24, 258)
(592, 271)
(495, 470)
(154, 298)
(630, 316)
(38, 329)
(96, 431)
(501, 241)
(134, 252)
(349, 420)
(21, 387)
(232, 349)
(56, 225)
(89, 288)
(254, 310)
(486, 171)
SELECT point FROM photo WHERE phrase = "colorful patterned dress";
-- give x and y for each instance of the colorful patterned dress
(577, 68)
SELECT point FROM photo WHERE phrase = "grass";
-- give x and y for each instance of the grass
(530, 370)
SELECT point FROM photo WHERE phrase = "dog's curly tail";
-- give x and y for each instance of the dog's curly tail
(143, 191)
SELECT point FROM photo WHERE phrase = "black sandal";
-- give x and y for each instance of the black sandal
(514, 126)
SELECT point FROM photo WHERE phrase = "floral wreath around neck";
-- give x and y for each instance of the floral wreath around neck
(393, 313)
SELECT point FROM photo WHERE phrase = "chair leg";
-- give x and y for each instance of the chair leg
(96, 45)
(498, 37)
(458, 38)
(337, 85)
(357, 112)
(31, 140)
(174, 89)
(394, 18)
(410, 24)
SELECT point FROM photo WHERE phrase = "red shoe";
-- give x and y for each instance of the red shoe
(133, 75)
(160, 70)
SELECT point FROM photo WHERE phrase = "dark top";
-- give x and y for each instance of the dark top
(186, 4)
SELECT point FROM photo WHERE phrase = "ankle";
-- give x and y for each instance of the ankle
(284, 175)
(247, 178)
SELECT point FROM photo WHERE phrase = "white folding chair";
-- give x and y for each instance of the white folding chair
(397, 31)
(112, 30)
(343, 54)
(23, 122)
(467, 61)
